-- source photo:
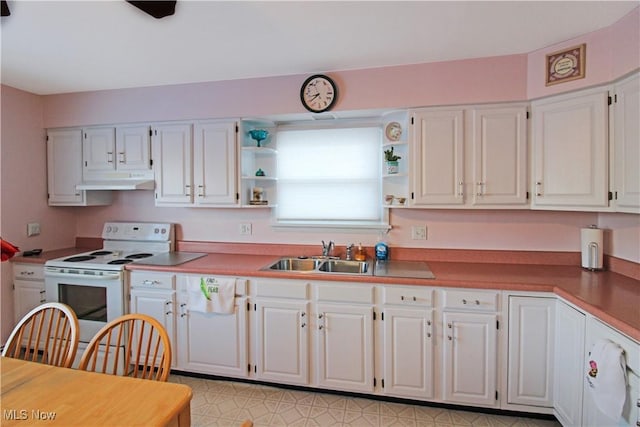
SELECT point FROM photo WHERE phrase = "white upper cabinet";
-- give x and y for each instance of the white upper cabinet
(195, 170)
(570, 151)
(110, 149)
(214, 163)
(438, 157)
(499, 141)
(172, 146)
(64, 171)
(473, 157)
(626, 142)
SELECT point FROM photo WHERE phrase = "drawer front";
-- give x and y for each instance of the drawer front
(413, 295)
(28, 271)
(471, 300)
(344, 293)
(282, 289)
(152, 280)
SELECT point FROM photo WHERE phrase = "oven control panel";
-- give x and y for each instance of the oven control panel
(147, 231)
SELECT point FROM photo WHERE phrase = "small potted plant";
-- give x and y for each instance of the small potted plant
(392, 161)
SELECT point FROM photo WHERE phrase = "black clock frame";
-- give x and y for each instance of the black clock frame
(333, 85)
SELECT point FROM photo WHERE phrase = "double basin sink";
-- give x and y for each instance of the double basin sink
(321, 265)
(391, 268)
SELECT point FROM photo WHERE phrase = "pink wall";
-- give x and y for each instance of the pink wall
(23, 188)
(611, 53)
(483, 80)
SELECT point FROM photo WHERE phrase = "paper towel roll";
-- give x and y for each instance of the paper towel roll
(592, 249)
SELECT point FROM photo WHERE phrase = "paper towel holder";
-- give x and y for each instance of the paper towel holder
(592, 247)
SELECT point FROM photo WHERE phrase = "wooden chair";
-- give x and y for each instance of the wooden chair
(140, 348)
(47, 334)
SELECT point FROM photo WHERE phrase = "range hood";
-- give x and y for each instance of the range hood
(124, 184)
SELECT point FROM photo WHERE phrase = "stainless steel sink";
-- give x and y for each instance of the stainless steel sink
(320, 265)
(295, 264)
(342, 266)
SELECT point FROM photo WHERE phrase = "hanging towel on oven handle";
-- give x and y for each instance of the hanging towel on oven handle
(211, 294)
(607, 377)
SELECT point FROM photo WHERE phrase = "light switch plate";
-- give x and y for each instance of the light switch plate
(419, 232)
(245, 228)
(33, 229)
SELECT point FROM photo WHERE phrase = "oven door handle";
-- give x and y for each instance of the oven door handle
(107, 276)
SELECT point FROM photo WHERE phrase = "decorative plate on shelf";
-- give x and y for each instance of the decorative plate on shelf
(393, 131)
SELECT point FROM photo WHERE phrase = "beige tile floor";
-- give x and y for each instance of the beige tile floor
(227, 403)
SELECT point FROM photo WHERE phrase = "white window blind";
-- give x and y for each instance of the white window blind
(329, 176)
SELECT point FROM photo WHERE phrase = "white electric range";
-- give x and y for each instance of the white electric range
(93, 283)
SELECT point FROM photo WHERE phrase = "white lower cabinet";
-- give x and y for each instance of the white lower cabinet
(28, 288)
(154, 294)
(344, 337)
(470, 324)
(530, 363)
(592, 415)
(408, 342)
(282, 332)
(568, 377)
(212, 343)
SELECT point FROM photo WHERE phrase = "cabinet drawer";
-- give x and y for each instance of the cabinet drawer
(152, 280)
(470, 300)
(414, 295)
(28, 271)
(282, 289)
(345, 293)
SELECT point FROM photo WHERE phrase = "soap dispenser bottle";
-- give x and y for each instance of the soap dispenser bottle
(382, 250)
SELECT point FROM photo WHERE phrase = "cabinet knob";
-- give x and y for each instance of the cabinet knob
(320, 316)
(449, 337)
(428, 334)
(168, 313)
(42, 292)
(402, 297)
(26, 273)
(449, 325)
(320, 327)
(303, 325)
(303, 314)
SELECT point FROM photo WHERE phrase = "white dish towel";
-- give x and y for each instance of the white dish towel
(211, 294)
(607, 377)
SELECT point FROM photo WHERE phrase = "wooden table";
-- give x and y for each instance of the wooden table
(37, 393)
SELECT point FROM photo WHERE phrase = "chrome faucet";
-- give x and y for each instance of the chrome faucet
(327, 248)
(349, 253)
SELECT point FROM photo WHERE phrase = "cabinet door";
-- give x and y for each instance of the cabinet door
(470, 358)
(98, 149)
(408, 352)
(345, 347)
(282, 341)
(27, 295)
(438, 159)
(215, 163)
(133, 148)
(160, 305)
(213, 343)
(172, 146)
(569, 354)
(626, 136)
(64, 167)
(531, 351)
(570, 151)
(499, 156)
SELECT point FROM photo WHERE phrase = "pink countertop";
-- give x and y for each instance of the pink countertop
(610, 296)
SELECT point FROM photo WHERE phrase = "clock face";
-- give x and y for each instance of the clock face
(318, 93)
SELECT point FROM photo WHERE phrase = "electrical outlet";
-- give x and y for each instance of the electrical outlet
(419, 232)
(33, 229)
(245, 228)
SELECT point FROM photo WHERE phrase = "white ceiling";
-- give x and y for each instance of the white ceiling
(58, 47)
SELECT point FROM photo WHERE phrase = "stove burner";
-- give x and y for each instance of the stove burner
(79, 258)
(120, 261)
(99, 253)
(138, 256)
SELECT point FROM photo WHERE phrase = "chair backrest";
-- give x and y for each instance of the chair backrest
(134, 345)
(47, 334)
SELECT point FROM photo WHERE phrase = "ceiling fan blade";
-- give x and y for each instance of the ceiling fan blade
(157, 9)
(4, 8)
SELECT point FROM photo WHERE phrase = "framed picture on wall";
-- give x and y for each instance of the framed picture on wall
(565, 65)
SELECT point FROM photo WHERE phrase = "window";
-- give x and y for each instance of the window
(330, 177)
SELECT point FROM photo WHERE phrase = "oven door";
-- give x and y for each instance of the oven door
(96, 297)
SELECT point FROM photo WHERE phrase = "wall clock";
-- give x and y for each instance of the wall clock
(318, 93)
